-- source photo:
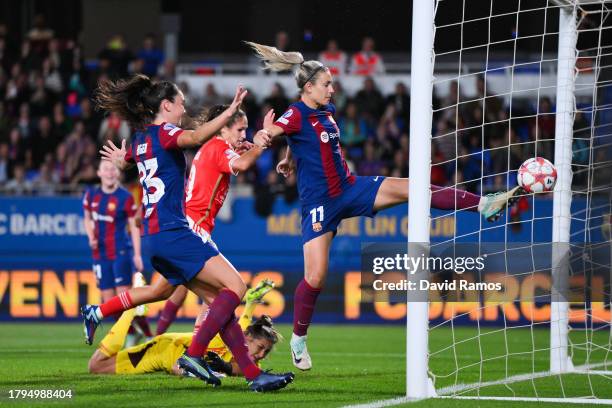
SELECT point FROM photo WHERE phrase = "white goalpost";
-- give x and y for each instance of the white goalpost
(574, 350)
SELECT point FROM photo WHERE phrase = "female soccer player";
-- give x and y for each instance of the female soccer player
(162, 352)
(328, 191)
(107, 210)
(182, 257)
(208, 184)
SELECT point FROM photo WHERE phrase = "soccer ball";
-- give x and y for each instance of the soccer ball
(537, 175)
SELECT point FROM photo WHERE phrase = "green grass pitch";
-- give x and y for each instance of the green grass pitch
(352, 364)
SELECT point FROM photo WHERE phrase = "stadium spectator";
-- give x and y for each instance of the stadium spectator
(116, 57)
(282, 40)
(370, 165)
(401, 101)
(333, 58)
(43, 184)
(113, 128)
(151, 56)
(4, 163)
(353, 129)
(44, 140)
(211, 96)
(277, 99)
(340, 97)
(18, 185)
(391, 125)
(367, 61)
(369, 100)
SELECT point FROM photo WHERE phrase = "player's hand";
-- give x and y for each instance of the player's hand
(217, 364)
(238, 97)
(268, 119)
(262, 139)
(285, 167)
(114, 154)
(93, 243)
(244, 147)
(138, 263)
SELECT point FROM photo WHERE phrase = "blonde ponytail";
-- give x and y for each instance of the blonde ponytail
(275, 59)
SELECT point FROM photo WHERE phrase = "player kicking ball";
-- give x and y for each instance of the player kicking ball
(328, 191)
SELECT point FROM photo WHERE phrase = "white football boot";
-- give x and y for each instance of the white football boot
(299, 353)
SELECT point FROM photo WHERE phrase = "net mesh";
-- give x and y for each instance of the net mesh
(495, 88)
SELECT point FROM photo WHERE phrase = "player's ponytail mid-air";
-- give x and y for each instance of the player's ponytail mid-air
(136, 99)
(155, 109)
(328, 191)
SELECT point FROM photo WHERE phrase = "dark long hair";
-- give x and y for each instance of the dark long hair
(262, 328)
(135, 99)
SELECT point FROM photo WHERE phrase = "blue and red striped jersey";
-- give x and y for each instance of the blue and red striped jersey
(161, 169)
(314, 139)
(110, 213)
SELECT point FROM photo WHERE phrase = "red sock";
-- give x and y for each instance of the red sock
(305, 299)
(167, 316)
(445, 198)
(117, 304)
(233, 337)
(219, 312)
(143, 324)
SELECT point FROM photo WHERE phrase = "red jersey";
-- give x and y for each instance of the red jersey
(208, 183)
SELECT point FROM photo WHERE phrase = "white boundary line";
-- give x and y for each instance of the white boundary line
(583, 369)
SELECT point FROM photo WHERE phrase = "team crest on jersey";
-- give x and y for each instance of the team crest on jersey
(111, 206)
(324, 137)
(286, 115)
(317, 227)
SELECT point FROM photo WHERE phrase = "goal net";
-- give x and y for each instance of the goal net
(510, 80)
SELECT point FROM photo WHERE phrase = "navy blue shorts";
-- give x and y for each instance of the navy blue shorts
(147, 267)
(113, 273)
(179, 254)
(357, 200)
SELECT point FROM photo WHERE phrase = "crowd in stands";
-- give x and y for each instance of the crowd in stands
(50, 133)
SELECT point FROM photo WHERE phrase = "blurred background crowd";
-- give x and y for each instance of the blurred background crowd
(50, 132)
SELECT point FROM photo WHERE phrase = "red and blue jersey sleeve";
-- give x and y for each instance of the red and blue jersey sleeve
(130, 206)
(290, 121)
(87, 200)
(129, 157)
(168, 136)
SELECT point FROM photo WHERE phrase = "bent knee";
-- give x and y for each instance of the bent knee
(238, 287)
(315, 280)
(162, 293)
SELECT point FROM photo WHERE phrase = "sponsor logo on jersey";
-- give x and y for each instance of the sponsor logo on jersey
(286, 115)
(101, 217)
(317, 227)
(141, 149)
(326, 137)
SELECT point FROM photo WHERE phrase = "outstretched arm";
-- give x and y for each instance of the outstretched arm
(199, 136)
(116, 155)
(247, 159)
